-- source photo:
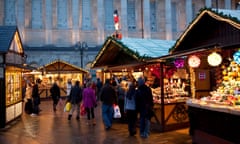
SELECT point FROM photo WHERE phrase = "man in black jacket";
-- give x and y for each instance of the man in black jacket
(108, 98)
(144, 105)
(36, 98)
(75, 98)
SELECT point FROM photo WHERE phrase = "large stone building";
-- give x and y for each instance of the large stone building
(65, 29)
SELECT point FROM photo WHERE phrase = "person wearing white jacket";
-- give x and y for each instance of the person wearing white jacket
(130, 108)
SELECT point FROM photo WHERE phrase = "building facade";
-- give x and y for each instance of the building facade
(74, 30)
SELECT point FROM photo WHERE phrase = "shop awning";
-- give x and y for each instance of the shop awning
(59, 66)
(130, 51)
(209, 29)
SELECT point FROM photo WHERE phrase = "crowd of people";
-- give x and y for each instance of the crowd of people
(133, 97)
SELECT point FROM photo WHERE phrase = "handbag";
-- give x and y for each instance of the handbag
(82, 110)
(68, 107)
(116, 113)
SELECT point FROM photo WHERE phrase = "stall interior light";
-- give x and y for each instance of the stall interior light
(194, 61)
(236, 57)
(214, 59)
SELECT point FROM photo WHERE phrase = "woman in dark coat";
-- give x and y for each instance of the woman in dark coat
(55, 94)
(36, 98)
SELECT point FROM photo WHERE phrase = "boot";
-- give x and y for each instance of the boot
(93, 121)
(69, 117)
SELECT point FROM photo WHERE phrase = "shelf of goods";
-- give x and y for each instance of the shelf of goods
(173, 96)
(228, 91)
(216, 117)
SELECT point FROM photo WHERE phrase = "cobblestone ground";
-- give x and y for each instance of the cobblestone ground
(54, 128)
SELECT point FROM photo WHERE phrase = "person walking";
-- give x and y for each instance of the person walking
(108, 98)
(36, 98)
(130, 108)
(99, 85)
(55, 94)
(89, 102)
(28, 97)
(121, 92)
(75, 99)
(144, 105)
(69, 86)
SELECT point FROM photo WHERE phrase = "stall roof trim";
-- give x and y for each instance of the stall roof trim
(6, 37)
(232, 17)
(130, 50)
(59, 66)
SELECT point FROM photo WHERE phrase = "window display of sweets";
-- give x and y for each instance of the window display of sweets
(228, 93)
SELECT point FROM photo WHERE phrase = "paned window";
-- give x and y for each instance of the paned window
(86, 14)
(174, 16)
(153, 19)
(62, 14)
(131, 15)
(108, 7)
(10, 18)
(37, 21)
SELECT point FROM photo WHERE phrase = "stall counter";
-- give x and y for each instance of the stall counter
(213, 123)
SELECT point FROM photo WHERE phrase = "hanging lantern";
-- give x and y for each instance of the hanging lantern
(236, 57)
(214, 59)
(179, 63)
(194, 61)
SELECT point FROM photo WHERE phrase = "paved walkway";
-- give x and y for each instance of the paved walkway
(54, 128)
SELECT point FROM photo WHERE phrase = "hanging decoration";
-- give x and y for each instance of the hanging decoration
(179, 63)
(194, 61)
(214, 59)
(236, 57)
(117, 33)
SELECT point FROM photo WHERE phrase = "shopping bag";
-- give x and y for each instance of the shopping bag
(116, 113)
(68, 107)
(82, 110)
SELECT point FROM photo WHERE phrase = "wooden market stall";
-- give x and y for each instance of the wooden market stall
(12, 65)
(59, 71)
(129, 56)
(210, 49)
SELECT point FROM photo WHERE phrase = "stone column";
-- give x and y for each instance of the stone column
(227, 4)
(100, 21)
(146, 19)
(208, 3)
(168, 19)
(189, 10)
(75, 21)
(48, 22)
(123, 20)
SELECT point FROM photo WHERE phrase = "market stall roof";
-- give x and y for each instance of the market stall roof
(130, 51)
(7, 34)
(209, 29)
(59, 66)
